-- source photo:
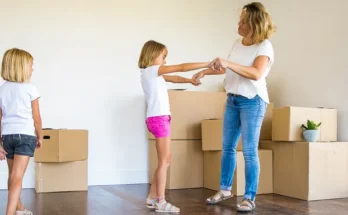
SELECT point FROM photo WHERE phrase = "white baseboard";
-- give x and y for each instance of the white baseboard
(99, 177)
(113, 177)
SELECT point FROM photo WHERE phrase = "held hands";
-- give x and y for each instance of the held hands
(218, 64)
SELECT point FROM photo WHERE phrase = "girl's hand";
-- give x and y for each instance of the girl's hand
(2, 157)
(39, 143)
(198, 76)
(3, 153)
(195, 82)
(214, 65)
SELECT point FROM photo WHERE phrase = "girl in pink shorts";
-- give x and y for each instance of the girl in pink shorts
(153, 79)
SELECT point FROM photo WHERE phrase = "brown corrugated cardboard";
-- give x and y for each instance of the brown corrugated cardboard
(61, 177)
(212, 166)
(212, 135)
(287, 121)
(186, 169)
(266, 129)
(189, 108)
(310, 171)
(63, 146)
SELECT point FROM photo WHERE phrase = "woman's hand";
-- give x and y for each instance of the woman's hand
(220, 63)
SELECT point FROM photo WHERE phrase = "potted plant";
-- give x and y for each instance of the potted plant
(311, 132)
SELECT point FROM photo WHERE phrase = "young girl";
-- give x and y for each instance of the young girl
(21, 128)
(153, 78)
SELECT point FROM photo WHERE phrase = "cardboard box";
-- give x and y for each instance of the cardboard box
(310, 171)
(189, 108)
(63, 146)
(287, 121)
(266, 129)
(186, 169)
(61, 177)
(212, 170)
(212, 135)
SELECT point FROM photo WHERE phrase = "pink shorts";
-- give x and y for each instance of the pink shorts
(159, 126)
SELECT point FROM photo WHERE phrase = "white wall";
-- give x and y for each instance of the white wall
(87, 52)
(86, 55)
(311, 56)
(311, 51)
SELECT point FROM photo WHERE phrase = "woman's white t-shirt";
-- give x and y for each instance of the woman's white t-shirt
(156, 92)
(17, 113)
(245, 56)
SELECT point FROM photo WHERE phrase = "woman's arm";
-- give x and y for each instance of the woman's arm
(253, 72)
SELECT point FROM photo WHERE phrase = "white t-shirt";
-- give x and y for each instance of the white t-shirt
(246, 55)
(156, 92)
(15, 103)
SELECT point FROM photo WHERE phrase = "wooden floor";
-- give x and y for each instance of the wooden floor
(129, 199)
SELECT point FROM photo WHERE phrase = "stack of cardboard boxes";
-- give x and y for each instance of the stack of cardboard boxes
(61, 162)
(188, 109)
(304, 170)
(289, 165)
(212, 147)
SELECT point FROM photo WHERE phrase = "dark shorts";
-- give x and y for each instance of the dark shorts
(19, 144)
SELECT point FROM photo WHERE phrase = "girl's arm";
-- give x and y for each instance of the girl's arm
(37, 121)
(185, 67)
(2, 150)
(179, 79)
(1, 125)
(205, 72)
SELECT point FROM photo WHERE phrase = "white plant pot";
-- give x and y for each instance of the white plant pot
(311, 135)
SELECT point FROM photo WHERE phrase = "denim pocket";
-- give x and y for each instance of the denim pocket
(28, 140)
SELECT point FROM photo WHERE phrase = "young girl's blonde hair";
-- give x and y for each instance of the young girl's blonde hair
(150, 51)
(16, 65)
(259, 22)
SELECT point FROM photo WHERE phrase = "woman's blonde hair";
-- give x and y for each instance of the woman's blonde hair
(16, 65)
(150, 51)
(259, 22)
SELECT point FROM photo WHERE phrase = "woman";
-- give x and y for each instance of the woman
(246, 70)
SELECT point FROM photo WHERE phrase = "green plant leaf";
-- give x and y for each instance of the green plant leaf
(311, 125)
